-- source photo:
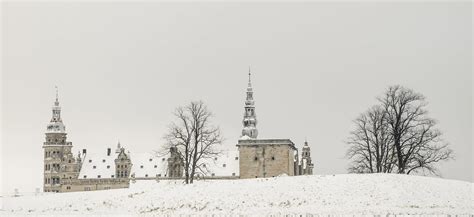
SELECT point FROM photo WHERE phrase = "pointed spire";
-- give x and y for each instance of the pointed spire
(56, 103)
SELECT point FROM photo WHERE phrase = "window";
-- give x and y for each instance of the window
(98, 176)
(255, 158)
(223, 165)
(146, 175)
(108, 166)
(111, 176)
(215, 158)
(87, 188)
(90, 161)
(150, 159)
(85, 176)
(204, 165)
(159, 175)
(94, 167)
(68, 187)
(233, 174)
(163, 159)
(103, 160)
(273, 157)
(69, 161)
(155, 166)
(107, 188)
(126, 174)
(236, 158)
(213, 174)
(141, 166)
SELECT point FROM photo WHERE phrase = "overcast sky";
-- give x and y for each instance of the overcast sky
(122, 68)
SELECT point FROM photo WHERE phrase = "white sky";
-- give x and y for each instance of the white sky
(122, 68)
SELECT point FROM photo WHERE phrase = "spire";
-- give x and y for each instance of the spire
(250, 118)
(57, 97)
(56, 124)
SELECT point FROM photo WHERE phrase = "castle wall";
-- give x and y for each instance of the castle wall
(93, 184)
(266, 159)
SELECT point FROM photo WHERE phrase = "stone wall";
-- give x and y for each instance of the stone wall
(93, 184)
(266, 158)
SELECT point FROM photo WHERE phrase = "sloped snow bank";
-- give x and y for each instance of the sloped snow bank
(347, 194)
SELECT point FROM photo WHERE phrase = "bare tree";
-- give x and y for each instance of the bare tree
(397, 136)
(370, 142)
(194, 137)
(417, 143)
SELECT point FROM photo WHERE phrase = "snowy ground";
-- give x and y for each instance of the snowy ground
(374, 194)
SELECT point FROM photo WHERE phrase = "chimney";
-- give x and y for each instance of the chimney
(108, 151)
(83, 151)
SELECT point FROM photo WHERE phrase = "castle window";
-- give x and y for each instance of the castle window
(204, 165)
(98, 176)
(255, 158)
(68, 187)
(125, 165)
(223, 165)
(215, 158)
(87, 188)
(156, 166)
(112, 176)
(233, 174)
(94, 167)
(103, 160)
(273, 157)
(150, 159)
(213, 174)
(236, 158)
(69, 161)
(159, 175)
(146, 175)
(126, 174)
(108, 166)
(85, 176)
(90, 161)
(141, 166)
(163, 159)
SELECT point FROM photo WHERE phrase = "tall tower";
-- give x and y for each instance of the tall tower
(250, 118)
(59, 162)
(306, 164)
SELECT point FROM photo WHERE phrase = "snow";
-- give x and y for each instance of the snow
(346, 194)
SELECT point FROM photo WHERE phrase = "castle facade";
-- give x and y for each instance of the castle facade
(254, 158)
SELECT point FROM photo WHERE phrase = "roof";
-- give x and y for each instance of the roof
(145, 165)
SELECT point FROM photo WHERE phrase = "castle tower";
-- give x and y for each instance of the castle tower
(250, 118)
(123, 165)
(59, 162)
(306, 164)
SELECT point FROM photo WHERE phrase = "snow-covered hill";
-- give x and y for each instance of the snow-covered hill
(377, 194)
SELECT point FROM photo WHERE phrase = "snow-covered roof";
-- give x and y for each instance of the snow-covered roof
(149, 165)
(226, 164)
(145, 165)
(97, 165)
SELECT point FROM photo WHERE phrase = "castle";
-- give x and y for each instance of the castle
(255, 158)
